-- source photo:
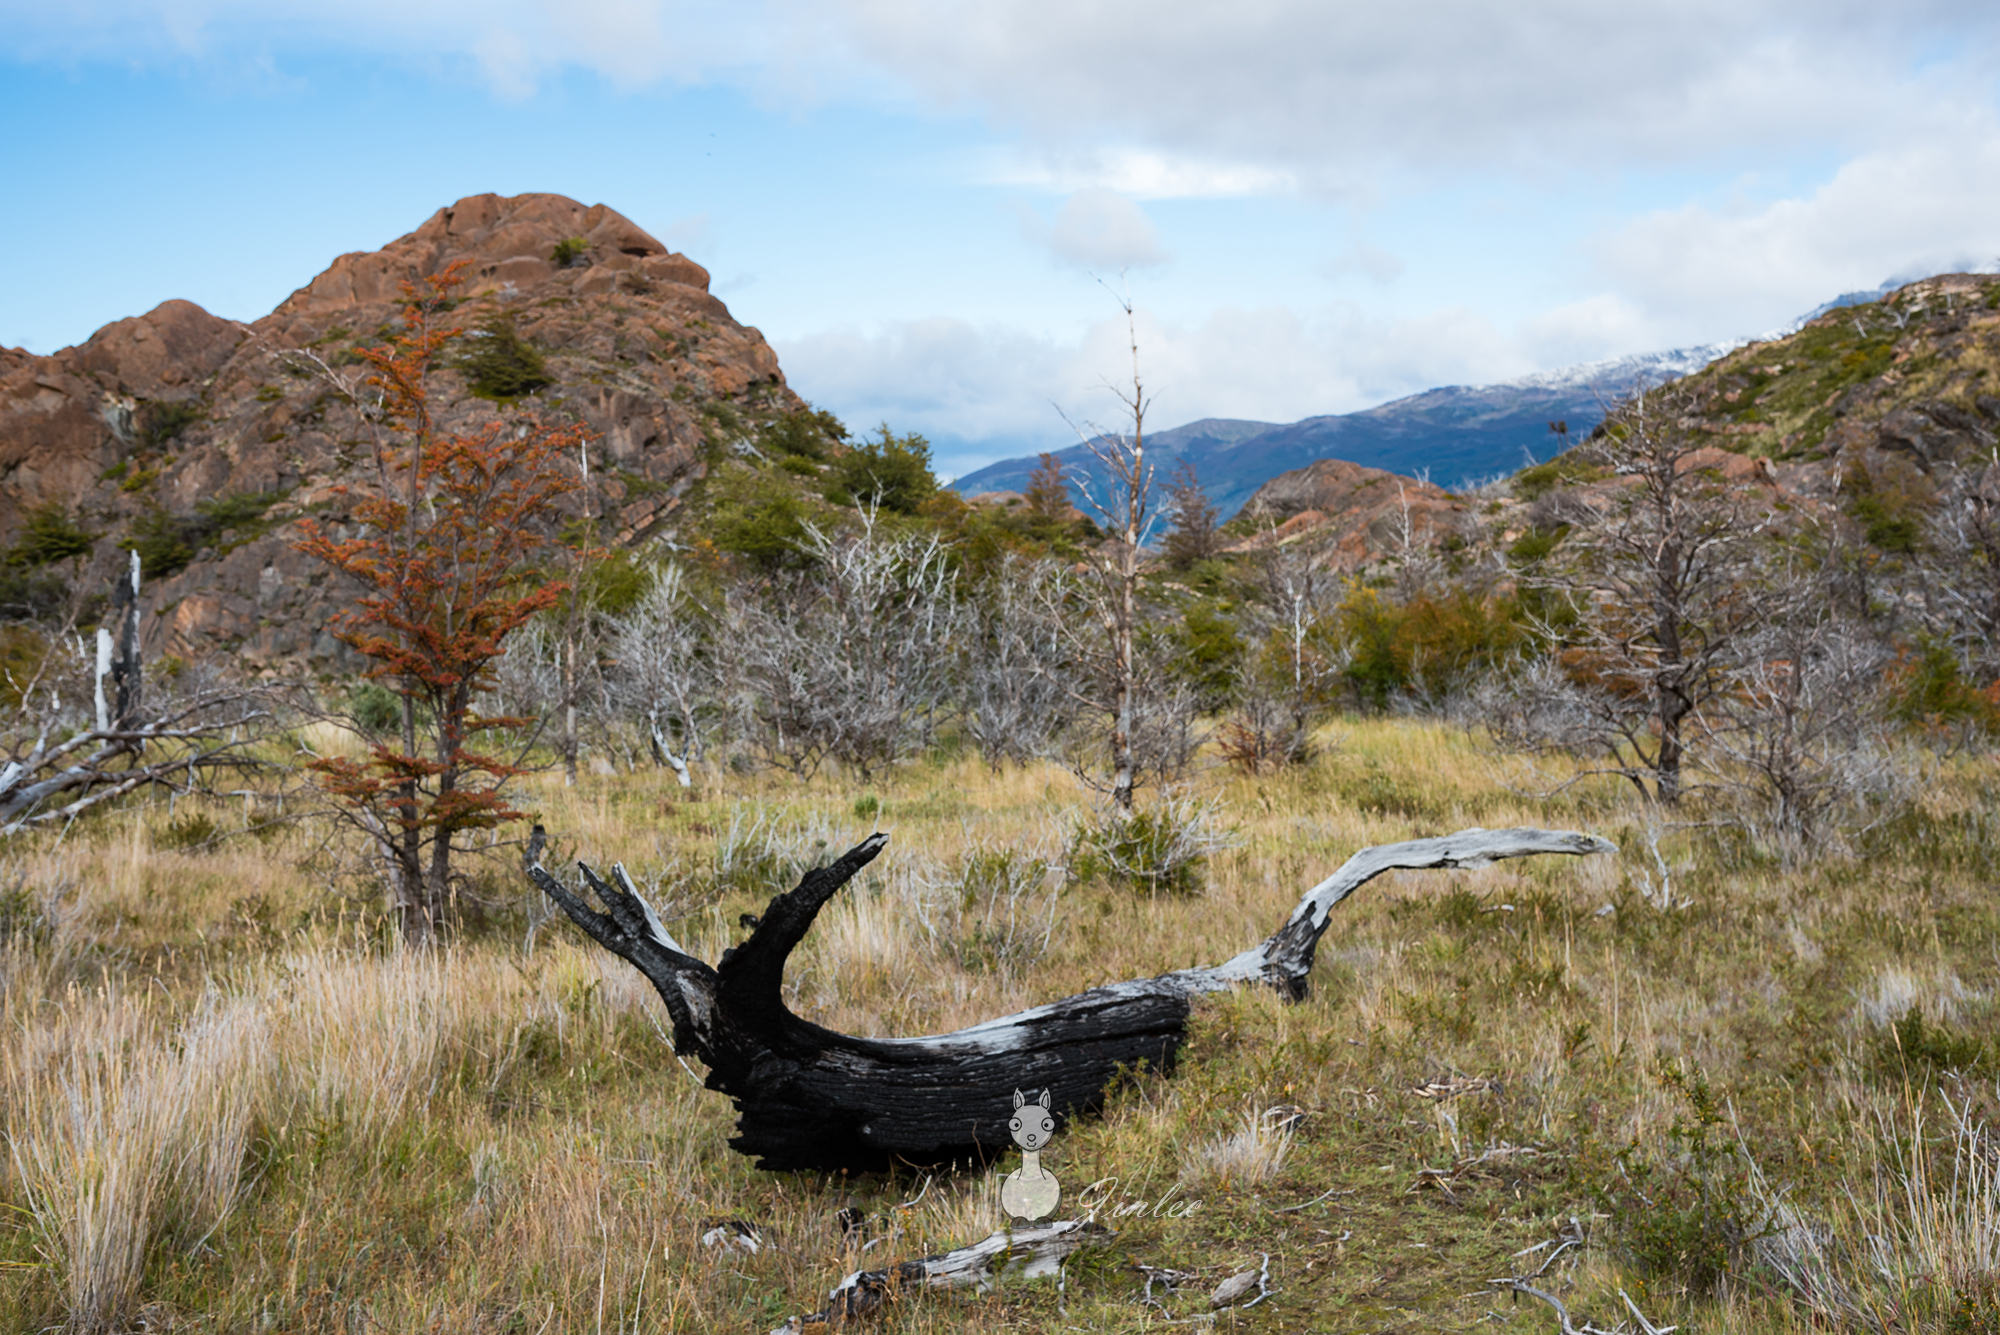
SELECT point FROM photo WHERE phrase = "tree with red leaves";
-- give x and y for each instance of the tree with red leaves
(449, 530)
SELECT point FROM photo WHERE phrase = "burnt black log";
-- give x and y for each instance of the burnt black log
(808, 1097)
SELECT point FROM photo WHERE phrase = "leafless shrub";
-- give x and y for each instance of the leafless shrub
(995, 912)
(1560, 507)
(1293, 671)
(1959, 567)
(1657, 592)
(1799, 745)
(665, 672)
(850, 659)
(1017, 667)
(93, 727)
(1163, 732)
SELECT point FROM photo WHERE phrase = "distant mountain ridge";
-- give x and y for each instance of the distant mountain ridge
(1454, 435)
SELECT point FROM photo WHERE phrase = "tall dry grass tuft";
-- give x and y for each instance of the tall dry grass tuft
(1252, 1153)
(119, 1133)
(1935, 1214)
(362, 1038)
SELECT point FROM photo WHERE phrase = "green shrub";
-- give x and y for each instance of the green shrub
(1915, 1050)
(187, 833)
(805, 434)
(892, 472)
(1568, 469)
(568, 251)
(1208, 654)
(1975, 1306)
(757, 517)
(49, 533)
(1927, 687)
(1161, 849)
(499, 364)
(166, 421)
(167, 542)
(375, 707)
(1536, 543)
(1682, 1209)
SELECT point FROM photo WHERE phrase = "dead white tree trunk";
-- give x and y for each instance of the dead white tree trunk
(1025, 1253)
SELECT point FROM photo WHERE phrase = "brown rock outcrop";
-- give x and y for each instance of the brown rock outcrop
(155, 417)
(1356, 516)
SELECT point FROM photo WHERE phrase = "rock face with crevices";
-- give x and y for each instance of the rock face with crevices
(215, 437)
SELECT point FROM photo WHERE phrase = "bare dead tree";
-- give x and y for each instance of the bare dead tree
(1800, 739)
(1295, 668)
(808, 1097)
(1122, 499)
(1657, 589)
(180, 737)
(850, 659)
(1047, 496)
(1196, 534)
(665, 670)
(1960, 569)
(547, 673)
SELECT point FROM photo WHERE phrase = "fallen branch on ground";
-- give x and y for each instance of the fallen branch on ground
(1025, 1253)
(812, 1098)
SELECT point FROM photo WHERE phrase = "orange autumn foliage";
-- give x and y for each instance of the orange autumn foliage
(445, 556)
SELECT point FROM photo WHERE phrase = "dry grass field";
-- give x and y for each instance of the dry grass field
(231, 1104)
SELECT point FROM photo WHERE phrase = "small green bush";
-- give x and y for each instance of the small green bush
(49, 533)
(166, 421)
(1921, 1051)
(1208, 655)
(568, 251)
(1161, 849)
(189, 832)
(375, 707)
(499, 364)
(167, 542)
(804, 434)
(1682, 1209)
(757, 517)
(1565, 470)
(892, 472)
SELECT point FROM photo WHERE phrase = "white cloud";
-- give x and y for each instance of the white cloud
(1363, 258)
(950, 378)
(1322, 92)
(1099, 229)
(1136, 173)
(1605, 325)
(1701, 272)
(1258, 97)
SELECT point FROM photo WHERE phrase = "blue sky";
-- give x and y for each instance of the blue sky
(1318, 206)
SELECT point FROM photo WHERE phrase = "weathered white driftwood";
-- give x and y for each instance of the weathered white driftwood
(1025, 1253)
(810, 1097)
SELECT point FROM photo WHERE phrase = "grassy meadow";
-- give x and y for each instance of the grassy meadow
(232, 1104)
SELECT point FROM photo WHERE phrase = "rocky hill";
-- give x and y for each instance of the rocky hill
(201, 441)
(1870, 408)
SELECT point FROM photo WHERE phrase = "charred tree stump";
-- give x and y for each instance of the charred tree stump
(808, 1097)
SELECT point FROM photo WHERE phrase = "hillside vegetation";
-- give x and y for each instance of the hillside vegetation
(234, 1106)
(1738, 1076)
